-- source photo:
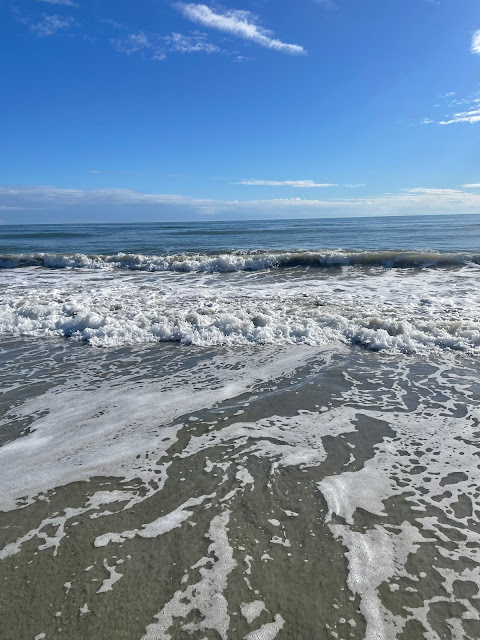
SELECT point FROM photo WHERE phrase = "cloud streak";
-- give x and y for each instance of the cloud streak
(157, 46)
(190, 44)
(239, 23)
(49, 25)
(65, 3)
(296, 184)
(476, 42)
(470, 113)
(472, 117)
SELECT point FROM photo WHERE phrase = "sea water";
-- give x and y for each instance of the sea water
(251, 430)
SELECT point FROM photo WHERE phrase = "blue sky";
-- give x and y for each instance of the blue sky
(153, 110)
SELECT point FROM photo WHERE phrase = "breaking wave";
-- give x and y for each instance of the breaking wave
(240, 260)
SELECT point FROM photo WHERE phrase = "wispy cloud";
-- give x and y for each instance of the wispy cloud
(472, 116)
(65, 3)
(449, 94)
(473, 185)
(239, 23)
(296, 184)
(434, 192)
(157, 46)
(190, 44)
(138, 42)
(476, 42)
(457, 110)
(49, 25)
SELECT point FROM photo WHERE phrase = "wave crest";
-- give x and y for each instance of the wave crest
(240, 261)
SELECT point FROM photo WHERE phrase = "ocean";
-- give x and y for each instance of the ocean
(240, 430)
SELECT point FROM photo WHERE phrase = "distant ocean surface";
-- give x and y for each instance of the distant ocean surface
(240, 430)
(438, 233)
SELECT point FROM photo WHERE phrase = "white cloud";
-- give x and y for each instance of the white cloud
(53, 203)
(450, 94)
(476, 42)
(470, 113)
(139, 43)
(157, 46)
(239, 23)
(132, 43)
(434, 192)
(470, 117)
(298, 184)
(65, 3)
(190, 44)
(473, 185)
(49, 25)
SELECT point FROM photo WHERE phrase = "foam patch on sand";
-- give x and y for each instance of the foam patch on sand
(375, 557)
(206, 596)
(293, 441)
(110, 430)
(158, 527)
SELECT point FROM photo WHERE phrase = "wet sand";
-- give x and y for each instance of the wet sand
(173, 492)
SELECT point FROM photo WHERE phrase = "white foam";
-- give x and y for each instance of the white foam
(292, 441)
(373, 558)
(347, 492)
(158, 527)
(267, 631)
(275, 523)
(251, 610)
(114, 577)
(56, 524)
(206, 596)
(280, 541)
(381, 310)
(436, 435)
(108, 430)
(238, 260)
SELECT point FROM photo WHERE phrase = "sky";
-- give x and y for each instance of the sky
(114, 111)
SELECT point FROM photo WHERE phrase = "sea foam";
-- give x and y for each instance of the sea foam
(382, 309)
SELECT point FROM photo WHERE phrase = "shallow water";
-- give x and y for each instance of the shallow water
(173, 492)
(240, 431)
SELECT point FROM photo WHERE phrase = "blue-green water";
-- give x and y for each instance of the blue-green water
(441, 233)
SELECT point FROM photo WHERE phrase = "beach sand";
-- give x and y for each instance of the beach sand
(163, 491)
